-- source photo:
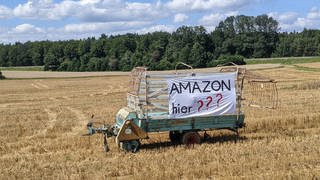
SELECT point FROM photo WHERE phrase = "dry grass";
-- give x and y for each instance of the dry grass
(55, 74)
(41, 122)
(18, 74)
(310, 65)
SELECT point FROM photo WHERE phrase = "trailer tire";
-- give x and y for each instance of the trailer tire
(131, 146)
(190, 138)
(175, 136)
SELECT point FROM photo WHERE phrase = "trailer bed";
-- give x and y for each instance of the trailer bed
(197, 123)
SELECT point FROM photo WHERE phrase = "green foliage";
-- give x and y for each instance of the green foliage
(51, 62)
(23, 68)
(234, 38)
(289, 60)
(227, 60)
(113, 64)
(198, 56)
(164, 65)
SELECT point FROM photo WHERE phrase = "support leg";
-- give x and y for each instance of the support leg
(236, 135)
(105, 143)
(206, 136)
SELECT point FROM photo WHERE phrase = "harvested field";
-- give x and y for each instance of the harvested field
(55, 74)
(310, 65)
(42, 120)
(50, 74)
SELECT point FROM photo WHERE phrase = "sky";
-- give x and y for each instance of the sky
(35, 20)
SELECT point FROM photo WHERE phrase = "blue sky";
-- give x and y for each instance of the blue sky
(32, 20)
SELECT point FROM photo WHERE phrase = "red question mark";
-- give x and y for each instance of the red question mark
(209, 98)
(220, 95)
(201, 104)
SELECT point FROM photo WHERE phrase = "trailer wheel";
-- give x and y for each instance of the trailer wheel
(131, 146)
(191, 138)
(174, 136)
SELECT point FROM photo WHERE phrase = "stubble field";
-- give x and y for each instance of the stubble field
(41, 122)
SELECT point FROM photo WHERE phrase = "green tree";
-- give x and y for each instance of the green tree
(227, 60)
(4, 52)
(70, 49)
(97, 48)
(51, 61)
(84, 59)
(113, 64)
(84, 47)
(125, 61)
(246, 36)
(198, 56)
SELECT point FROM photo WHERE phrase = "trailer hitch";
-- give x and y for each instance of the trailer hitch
(106, 130)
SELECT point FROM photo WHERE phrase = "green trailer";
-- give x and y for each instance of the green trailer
(147, 110)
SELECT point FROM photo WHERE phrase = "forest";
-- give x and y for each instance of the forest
(235, 38)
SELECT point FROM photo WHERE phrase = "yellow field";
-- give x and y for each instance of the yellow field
(310, 65)
(41, 122)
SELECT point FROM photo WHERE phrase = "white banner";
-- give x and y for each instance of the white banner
(202, 95)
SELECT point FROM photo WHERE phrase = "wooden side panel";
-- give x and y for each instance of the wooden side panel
(199, 123)
(152, 94)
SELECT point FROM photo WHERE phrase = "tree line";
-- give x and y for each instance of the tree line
(236, 37)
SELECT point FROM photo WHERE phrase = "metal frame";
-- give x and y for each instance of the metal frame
(149, 95)
(147, 108)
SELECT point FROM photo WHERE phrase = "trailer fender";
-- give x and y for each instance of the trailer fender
(130, 131)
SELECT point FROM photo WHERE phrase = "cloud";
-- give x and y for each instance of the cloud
(286, 17)
(29, 32)
(178, 18)
(45, 10)
(301, 23)
(34, 9)
(109, 27)
(25, 10)
(22, 33)
(155, 28)
(200, 5)
(212, 20)
(3, 29)
(63, 10)
(27, 28)
(118, 10)
(75, 19)
(314, 13)
(88, 10)
(289, 21)
(5, 12)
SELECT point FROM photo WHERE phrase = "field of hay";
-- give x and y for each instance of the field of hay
(41, 122)
(310, 65)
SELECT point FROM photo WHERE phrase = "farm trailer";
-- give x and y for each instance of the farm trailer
(147, 111)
